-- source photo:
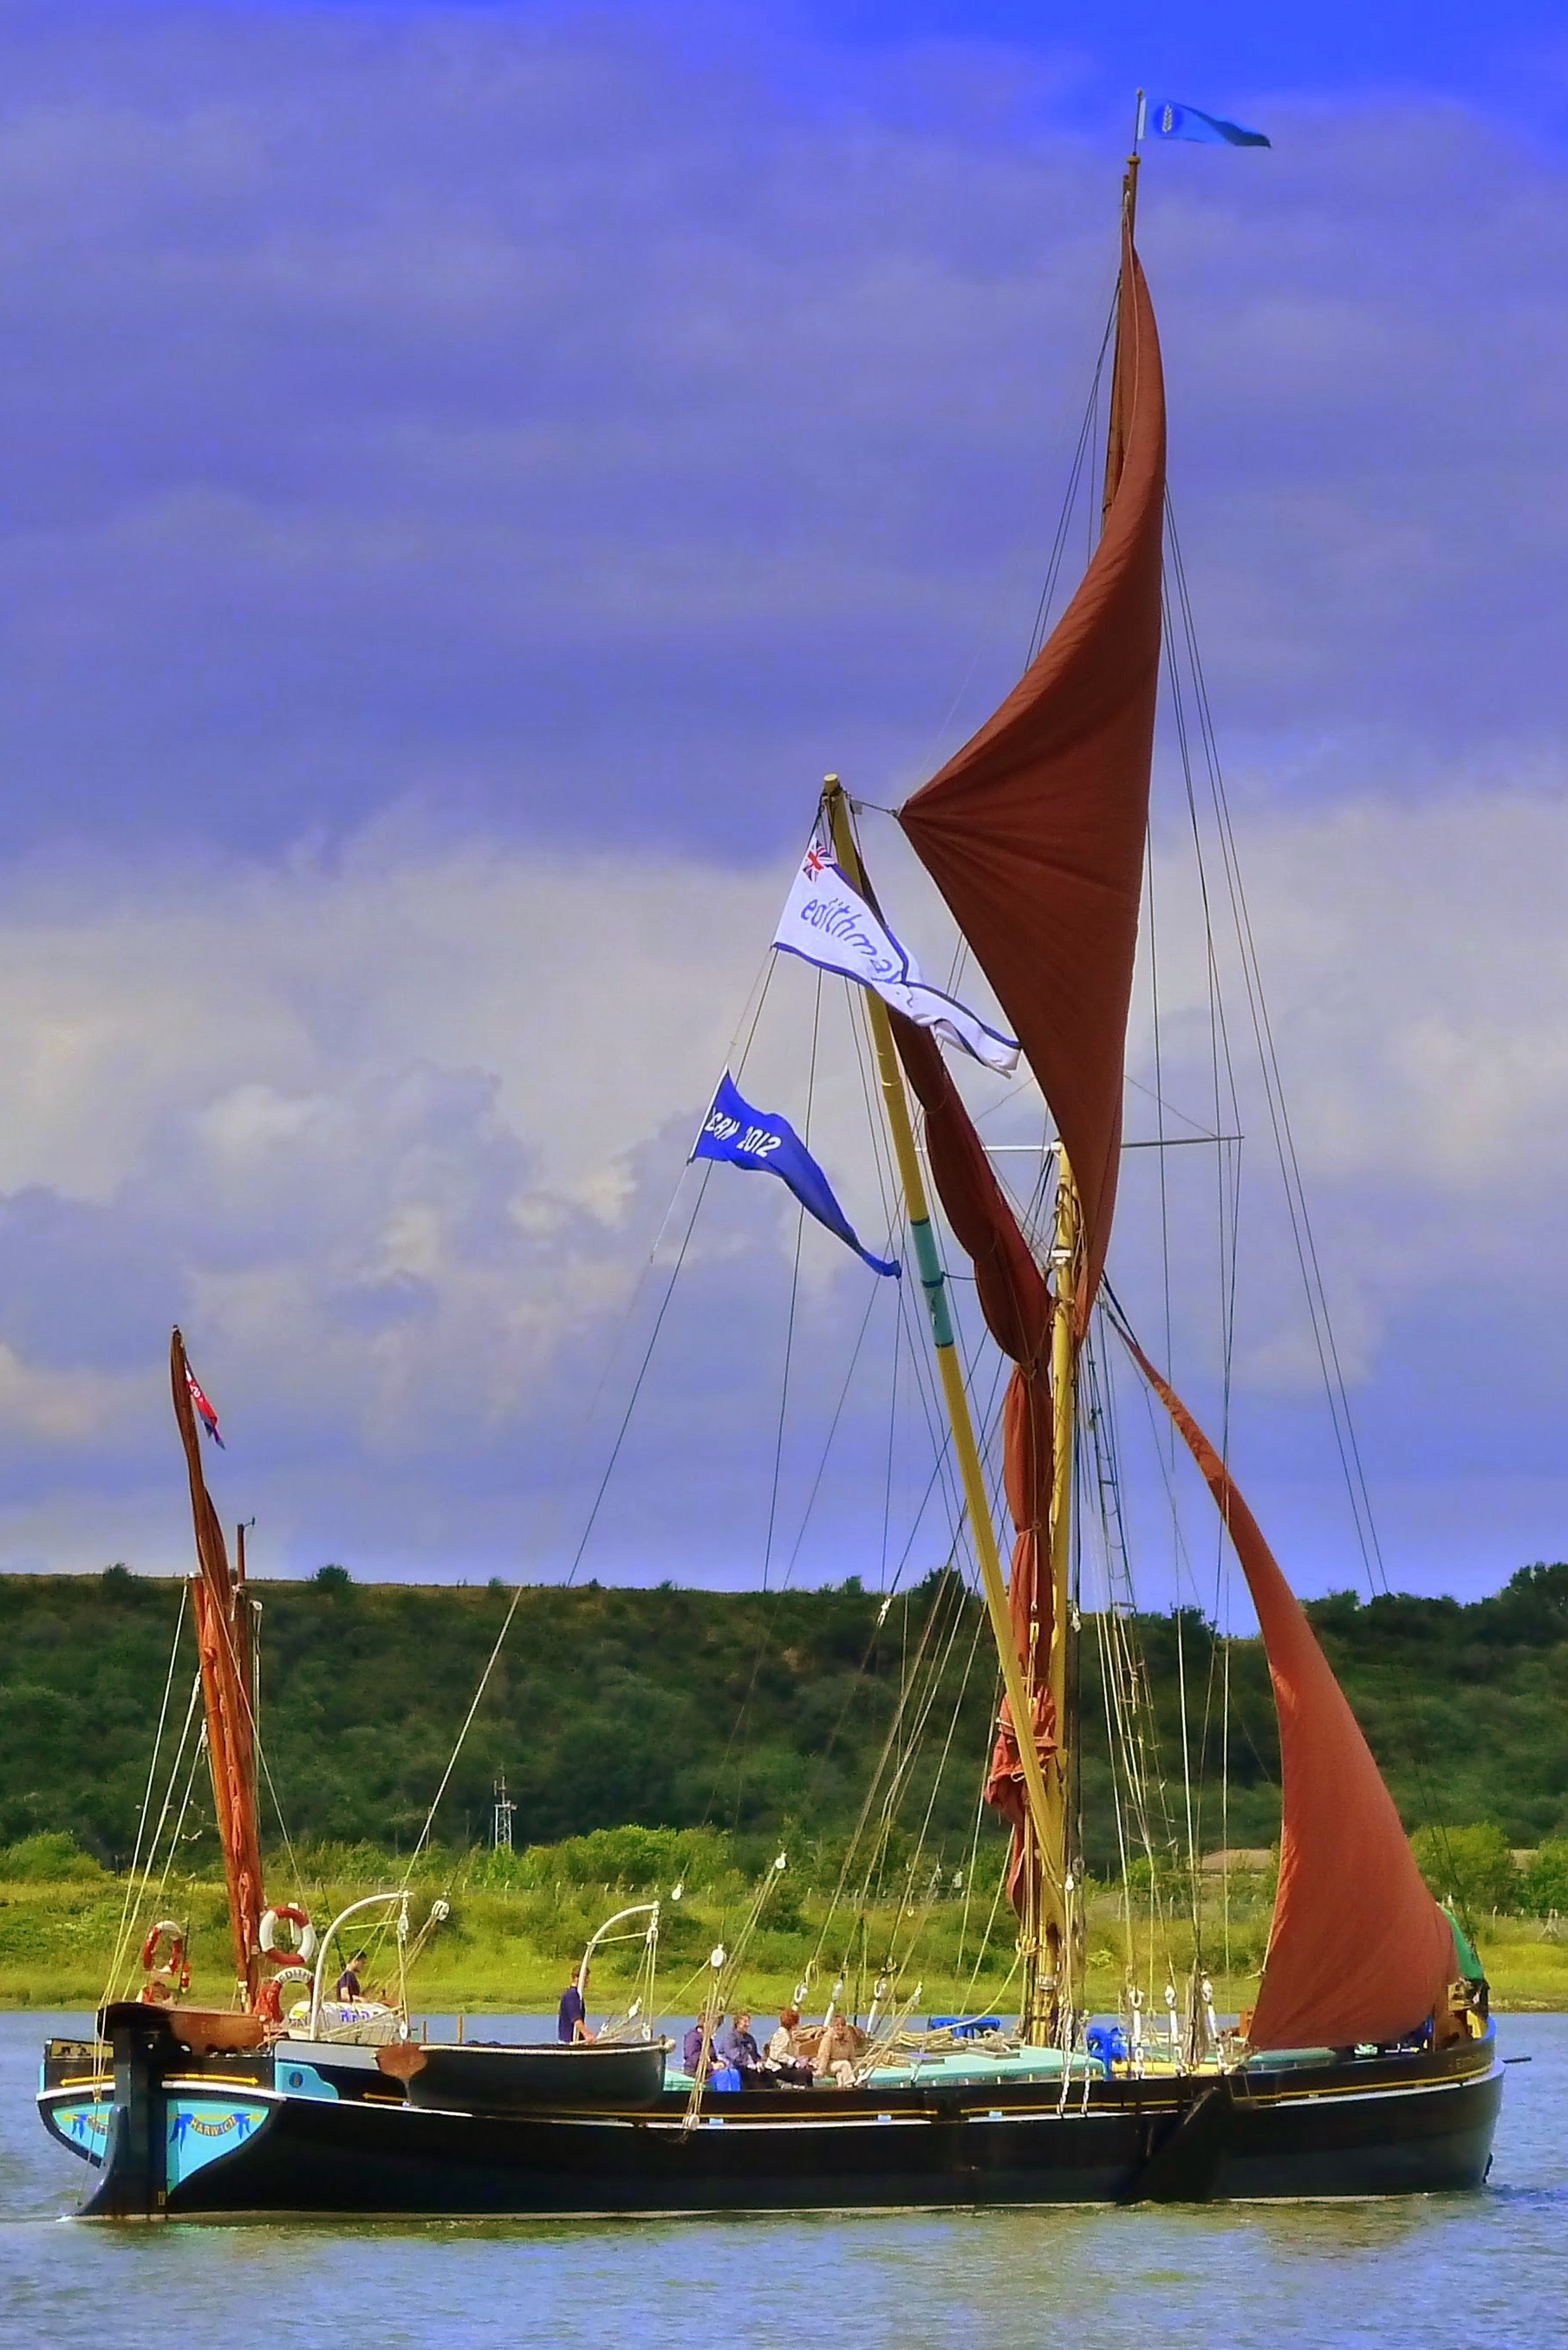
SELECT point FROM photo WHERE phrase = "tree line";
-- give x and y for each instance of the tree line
(679, 1709)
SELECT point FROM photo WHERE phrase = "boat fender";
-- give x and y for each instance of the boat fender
(173, 1969)
(1108, 2044)
(286, 1914)
(269, 1998)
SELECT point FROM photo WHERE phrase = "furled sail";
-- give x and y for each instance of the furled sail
(223, 1647)
(1358, 1950)
(1017, 1308)
(1035, 832)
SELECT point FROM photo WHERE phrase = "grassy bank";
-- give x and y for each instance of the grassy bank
(518, 1923)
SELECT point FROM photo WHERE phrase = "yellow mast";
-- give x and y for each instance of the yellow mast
(1061, 1932)
(1044, 1807)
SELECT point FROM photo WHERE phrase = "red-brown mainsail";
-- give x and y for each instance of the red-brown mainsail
(1035, 832)
(1359, 1951)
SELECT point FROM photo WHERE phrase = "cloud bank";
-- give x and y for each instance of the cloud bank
(396, 1134)
(469, 473)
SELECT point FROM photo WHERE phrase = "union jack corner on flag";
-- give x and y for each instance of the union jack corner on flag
(204, 1412)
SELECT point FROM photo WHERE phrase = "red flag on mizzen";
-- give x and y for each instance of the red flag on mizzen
(204, 1412)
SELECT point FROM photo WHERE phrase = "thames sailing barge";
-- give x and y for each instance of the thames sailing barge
(1367, 2065)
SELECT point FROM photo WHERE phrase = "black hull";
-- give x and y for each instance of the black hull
(1391, 2125)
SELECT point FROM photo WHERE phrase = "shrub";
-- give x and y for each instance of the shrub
(1472, 1866)
(48, 1858)
(1543, 1884)
(646, 1861)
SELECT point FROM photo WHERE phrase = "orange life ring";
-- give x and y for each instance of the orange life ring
(175, 1971)
(285, 1913)
(269, 1998)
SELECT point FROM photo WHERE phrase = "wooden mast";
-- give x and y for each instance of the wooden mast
(1039, 1810)
(222, 1648)
(1116, 433)
(1060, 1929)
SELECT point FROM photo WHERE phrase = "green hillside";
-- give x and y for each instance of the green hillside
(678, 1708)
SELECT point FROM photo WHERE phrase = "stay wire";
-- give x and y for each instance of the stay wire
(783, 1405)
(793, 1298)
(1336, 1387)
(750, 1030)
(121, 1939)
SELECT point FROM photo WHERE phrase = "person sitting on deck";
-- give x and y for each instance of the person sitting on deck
(347, 1987)
(835, 2050)
(691, 2048)
(734, 2045)
(571, 2021)
(784, 2058)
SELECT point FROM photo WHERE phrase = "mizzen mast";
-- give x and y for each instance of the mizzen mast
(223, 1648)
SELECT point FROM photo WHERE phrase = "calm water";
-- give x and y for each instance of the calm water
(1490, 2270)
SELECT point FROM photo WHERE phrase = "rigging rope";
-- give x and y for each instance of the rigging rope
(1324, 1339)
(121, 1939)
(577, 1561)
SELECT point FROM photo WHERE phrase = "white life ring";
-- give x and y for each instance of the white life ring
(286, 1914)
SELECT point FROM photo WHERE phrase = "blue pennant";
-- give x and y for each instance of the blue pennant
(1168, 121)
(733, 1129)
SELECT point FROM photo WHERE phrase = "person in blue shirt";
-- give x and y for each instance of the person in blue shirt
(571, 2022)
(736, 2044)
(704, 2030)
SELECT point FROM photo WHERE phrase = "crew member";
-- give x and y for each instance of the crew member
(571, 2022)
(348, 1985)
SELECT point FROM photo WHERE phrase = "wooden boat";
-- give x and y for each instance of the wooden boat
(1366, 2064)
(299, 2129)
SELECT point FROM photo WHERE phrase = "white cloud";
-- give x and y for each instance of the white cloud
(595, 441)
(394, 1133)
(1418, 968)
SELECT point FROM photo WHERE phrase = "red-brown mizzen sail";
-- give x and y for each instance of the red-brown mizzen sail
(1017, 1308)
(1358, 1949)
(1035, 832)
(223, 1646)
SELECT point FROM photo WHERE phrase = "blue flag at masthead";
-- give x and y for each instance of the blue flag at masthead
(1168, 121)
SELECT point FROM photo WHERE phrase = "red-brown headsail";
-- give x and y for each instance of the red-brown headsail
(1359, 1950)
(1035, 832)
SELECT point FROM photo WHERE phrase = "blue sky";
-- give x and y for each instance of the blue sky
(469, 471)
